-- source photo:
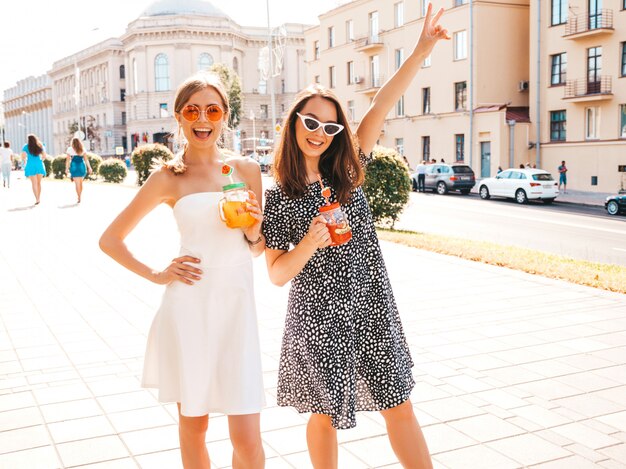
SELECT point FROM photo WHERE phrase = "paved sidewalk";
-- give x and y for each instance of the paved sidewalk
(513, 370)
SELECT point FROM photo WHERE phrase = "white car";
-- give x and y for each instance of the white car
(520, 184)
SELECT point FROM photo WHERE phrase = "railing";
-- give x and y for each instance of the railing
(602, 19)
(372, 40)
(375, 81)
(584, 87)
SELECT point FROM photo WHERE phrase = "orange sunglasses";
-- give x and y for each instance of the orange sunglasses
(191, 112)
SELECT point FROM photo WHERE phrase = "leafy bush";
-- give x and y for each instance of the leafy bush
(47, 163)
(94, 161)
(58, 166)
(387, 185)
(113, 170)
(145, 156)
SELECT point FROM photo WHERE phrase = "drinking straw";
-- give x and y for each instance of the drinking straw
(325, 190)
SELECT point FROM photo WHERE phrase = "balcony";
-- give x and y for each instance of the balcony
(371, 85)
(583, 90)
(368, 44)
(580, 26)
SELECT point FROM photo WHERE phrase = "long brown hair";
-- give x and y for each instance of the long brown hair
(77, 145)
(186, 90)
(339, 164)
(35, 147)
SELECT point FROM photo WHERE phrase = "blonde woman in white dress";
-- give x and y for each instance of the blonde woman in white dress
(203, 347)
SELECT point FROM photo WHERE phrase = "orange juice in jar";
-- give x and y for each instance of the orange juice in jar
(337, 223)
(233, 202)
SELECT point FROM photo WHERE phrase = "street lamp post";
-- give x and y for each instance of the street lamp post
(252, 117)
(270, 78)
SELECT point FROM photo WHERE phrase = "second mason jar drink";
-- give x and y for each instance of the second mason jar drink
(232, 206)
(337, 223)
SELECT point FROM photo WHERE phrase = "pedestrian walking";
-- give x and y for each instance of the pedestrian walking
(421, 176)
(563, 177)
(33, 153)
(343, 347)
(6, 163)
(203, 347)
(77, 164)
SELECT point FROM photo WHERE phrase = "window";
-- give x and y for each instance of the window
(559, 12)
(459, 147)
(236, 65)
(316, 50)
(594, 69)
(205, 60)
(622, 119)
(331, 37)
(399, 58)
(163, 110)
(400, 146)
(123, 94)
(458, 3)
(559, 69)
(135, 88)
(375, 71)
(373, 17)
(161, 73)
(400, 107)
(123, 117)
(317, 78)
(426, 148)
(623, 67)
(351, 114)
(592, 121)
(350, 73)
(426, 100)
(331, 76)
(264, 111)
(460, 45)
(557, 126)
(460, 96)
(398, 14)
(427, 61)
(424, 7)
(349, 31)
(122, 72)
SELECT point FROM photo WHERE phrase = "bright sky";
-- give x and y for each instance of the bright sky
(35, 33)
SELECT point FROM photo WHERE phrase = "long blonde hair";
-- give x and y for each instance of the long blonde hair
(186, 90)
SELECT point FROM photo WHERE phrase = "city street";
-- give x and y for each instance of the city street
(581, 232)
(512, 370)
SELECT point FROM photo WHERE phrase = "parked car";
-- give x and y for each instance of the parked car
(522, 185)
(615, 204)
(442, 177)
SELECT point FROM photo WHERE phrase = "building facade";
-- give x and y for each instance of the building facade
(28, 110)
(463, 105)
(127, 84)
(578, 97)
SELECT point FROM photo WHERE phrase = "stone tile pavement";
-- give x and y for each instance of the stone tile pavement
(512, 370)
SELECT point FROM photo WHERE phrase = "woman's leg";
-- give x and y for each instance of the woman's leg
(78, 182)
(321, 438)
(406, 437)
(245, 435)
(33, 183)
(38, 184)
(192, 433)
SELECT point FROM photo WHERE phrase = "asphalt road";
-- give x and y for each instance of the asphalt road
(577, 231)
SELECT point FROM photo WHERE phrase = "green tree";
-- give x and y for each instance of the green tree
(387, 185)
(232, 83)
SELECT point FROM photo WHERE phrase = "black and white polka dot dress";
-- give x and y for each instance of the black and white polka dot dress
(343, 347)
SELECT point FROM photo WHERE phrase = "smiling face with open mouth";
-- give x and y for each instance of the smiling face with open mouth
(315, 143)
(202, 118)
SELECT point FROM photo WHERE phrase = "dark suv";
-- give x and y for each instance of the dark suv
(442, 177)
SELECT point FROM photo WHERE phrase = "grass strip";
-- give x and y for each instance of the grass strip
(593, 274)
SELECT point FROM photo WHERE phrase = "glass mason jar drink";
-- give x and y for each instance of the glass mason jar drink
(232, 206)
(337, 223)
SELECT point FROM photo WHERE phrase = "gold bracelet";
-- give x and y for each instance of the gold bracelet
(254, 243)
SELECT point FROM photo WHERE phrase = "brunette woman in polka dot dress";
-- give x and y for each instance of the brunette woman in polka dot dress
(343, 348)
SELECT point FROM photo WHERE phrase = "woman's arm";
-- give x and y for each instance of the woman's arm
(87, 163)
(285, 265)
(152, 193)
(67, 162)
(369, 129)
(251, 174)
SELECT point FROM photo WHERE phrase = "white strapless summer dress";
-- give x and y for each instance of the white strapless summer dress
(203, 347)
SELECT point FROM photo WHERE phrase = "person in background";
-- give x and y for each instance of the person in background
(563, 176)
(421, 176)
(499, 169)
(77, 164)
(6, 163)
(33, 153)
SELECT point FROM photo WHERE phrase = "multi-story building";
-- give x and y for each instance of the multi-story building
(127, 84)
(28, 110)
(469, 101)
(578, 92)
